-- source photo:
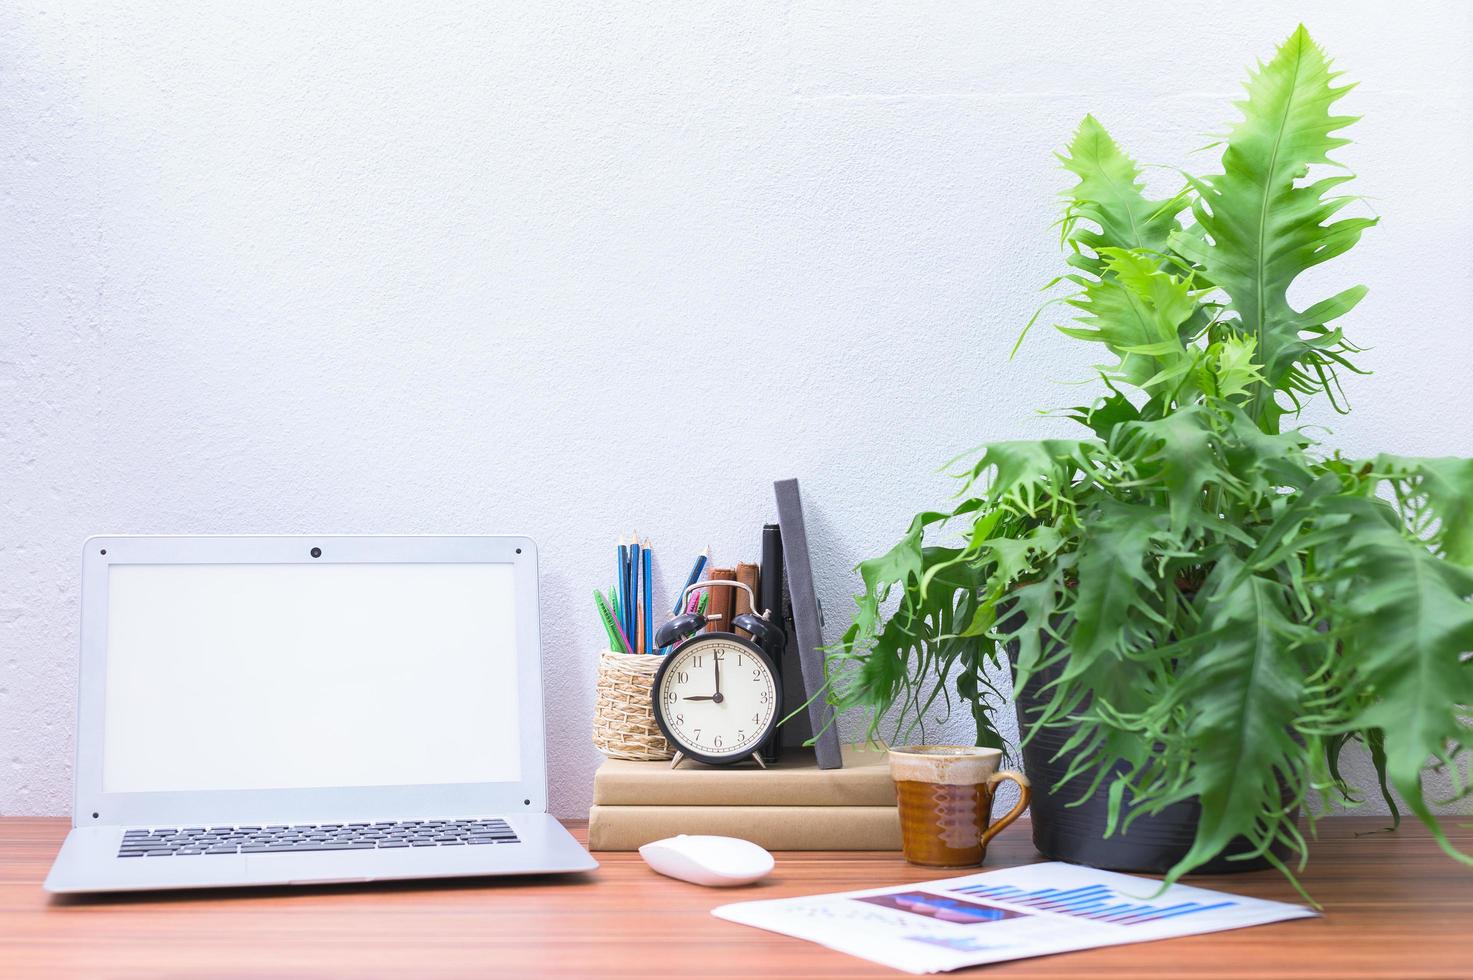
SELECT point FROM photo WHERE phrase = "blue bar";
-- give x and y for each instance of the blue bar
(1200, 908)
(1071, 908)
(1108, 910)
(1085, 911)
(1072, 895)
(1068, 906)
(1178, 909)
(1127, 912)
(1068, 900)
(1075, 905)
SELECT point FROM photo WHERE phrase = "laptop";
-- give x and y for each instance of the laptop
(295, 710)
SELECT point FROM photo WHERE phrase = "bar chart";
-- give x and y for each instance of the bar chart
(1095, 902)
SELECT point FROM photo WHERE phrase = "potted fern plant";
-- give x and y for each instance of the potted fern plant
(1201, 605)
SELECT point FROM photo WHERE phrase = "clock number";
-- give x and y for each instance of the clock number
(741, 735)
(719, 656)
(681, 677)
(680, 719)
(765, 697)
(718, 741)
(695, 661)
(669, 697)
(739, 660)
(698, 734)
(757, 719)
(756, 673)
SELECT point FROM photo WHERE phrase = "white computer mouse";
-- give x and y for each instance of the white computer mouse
(719, 862)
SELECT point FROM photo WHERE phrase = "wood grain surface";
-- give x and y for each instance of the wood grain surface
(1395, 907)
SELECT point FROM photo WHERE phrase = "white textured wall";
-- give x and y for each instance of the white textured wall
(571, 269)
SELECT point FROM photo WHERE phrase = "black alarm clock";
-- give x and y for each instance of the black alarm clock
(716, 696)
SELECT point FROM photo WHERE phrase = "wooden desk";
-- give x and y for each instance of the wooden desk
(1396, 907)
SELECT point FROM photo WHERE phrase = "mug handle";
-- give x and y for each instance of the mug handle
(1025, 793)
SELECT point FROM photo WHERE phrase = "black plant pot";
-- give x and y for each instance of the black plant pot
(1076, 834)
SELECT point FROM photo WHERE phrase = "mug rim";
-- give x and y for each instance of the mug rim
(942, 751)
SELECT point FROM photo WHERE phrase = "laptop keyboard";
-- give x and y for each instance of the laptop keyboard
(295, 838)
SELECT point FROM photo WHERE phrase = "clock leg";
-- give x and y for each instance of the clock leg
(677, 760)
(757, 757)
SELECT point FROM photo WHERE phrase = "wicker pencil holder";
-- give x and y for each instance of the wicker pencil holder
(623, 719)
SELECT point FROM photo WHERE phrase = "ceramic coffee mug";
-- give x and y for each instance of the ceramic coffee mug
(945, 796)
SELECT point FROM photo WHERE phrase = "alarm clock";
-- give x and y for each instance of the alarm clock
(717, 695)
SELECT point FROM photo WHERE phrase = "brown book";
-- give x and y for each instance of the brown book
(720, 601)
(794, 780)
(777, 828)
(746, 573)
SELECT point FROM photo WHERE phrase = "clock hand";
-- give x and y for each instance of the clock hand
(700, 697)
(718, 677)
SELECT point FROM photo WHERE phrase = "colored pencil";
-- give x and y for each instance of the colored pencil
(623, 581)
(633, 613)
(639, 594)
(611, 626)
(647, 611)
(618, 581)
(639, 630)
(691, 579)
(607, 621)
(623, 638)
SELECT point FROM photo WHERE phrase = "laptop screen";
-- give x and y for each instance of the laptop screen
(291, 676)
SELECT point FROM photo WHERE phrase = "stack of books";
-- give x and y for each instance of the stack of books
(791, 806)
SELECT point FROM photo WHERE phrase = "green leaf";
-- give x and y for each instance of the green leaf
(1243, 692)
(1444, 487)
(1232, 367)
(1025, 474)
(1137, 311)
(1102, 417)
(1375, 740)
(1110, 195)
(1264, 226)
(1406, 623)
(1112, 581)
(1180, 451)
(1033, 609)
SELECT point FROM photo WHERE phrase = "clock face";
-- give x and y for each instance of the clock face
(716, 697)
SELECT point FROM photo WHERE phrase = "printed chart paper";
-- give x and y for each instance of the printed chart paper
(1004, 915)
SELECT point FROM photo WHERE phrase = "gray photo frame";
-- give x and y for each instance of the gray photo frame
(807, 641)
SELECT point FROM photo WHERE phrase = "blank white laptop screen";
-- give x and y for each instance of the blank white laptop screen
(283, 676)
